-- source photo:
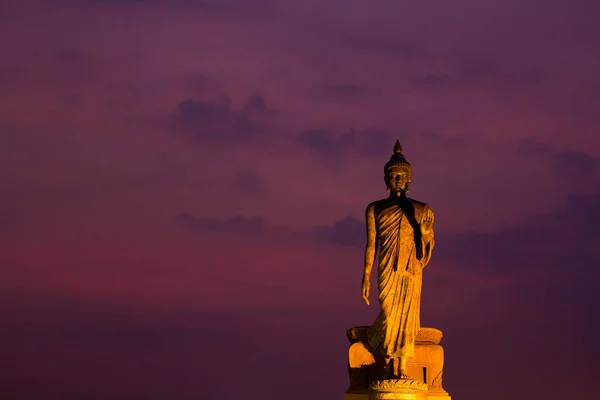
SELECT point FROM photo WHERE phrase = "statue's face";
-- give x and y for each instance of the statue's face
(397, 178)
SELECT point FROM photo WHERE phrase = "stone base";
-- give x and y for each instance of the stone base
(365, 396)
(357, 396)
(398, 389)
(438, 395)
(428, 396)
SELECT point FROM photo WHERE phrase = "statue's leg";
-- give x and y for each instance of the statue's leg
(403, 371)
(391, 368)
(388, 368)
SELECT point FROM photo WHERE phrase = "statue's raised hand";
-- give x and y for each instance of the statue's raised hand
(366, 287)
(427, 223)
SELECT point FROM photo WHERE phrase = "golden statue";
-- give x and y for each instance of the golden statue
(402, 228)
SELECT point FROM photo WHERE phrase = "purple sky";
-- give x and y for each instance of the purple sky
(183, 186)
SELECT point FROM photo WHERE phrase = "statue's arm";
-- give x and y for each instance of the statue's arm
(370, 251)
(427, 234)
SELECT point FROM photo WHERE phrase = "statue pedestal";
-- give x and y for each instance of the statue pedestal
(357, 396)
(398, 389)
(431, 395)
(426, 368)
(438, 394)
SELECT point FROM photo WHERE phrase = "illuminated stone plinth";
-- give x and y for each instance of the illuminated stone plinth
(426, 367)
(432, 394)
(438, 394)
(398, 389)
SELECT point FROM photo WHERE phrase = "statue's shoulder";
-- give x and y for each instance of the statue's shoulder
(375, 207)
(418, 205)
(379, 202)
(378, 205)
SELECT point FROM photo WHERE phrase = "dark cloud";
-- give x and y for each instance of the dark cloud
(580, 216)
(377, 142)
(554, 244)
(217, 120)
(542, 244)
(256, 110)
(346, 232)
(322, 141)
(204, 113)
(570, 165)
(471, 68)
(575, 164)
(234, 225)
(530, 147)
(207, 6)
(540, 275)
(542, 272)
(210, 6)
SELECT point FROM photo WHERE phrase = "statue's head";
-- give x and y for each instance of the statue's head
(398, 172)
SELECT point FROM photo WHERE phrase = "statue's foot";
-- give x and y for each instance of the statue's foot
(387, 374)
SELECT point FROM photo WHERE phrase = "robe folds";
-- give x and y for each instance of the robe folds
(403, 254)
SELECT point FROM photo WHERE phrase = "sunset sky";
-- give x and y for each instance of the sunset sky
(183, 187)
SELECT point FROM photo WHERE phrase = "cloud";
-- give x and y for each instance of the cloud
(347, 231)
(217, 120)
(530, 147)
(235, 225)
(322, 141)
(540, 275)
(575, 164)
(206, 6)
(469, 69)
(580, 213)
(558, 246)
(379, 143)
(567, 165)
(211, 6)
(543, 244)
(256, 110)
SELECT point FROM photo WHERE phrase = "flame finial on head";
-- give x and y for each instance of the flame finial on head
(398, 147)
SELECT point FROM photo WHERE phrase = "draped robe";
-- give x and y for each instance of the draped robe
(403, 254)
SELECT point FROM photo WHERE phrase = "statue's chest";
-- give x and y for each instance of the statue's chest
(394, 220)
